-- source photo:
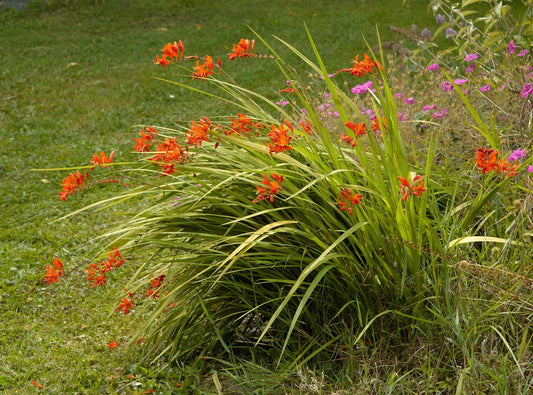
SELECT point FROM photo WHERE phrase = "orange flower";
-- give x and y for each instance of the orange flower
(102, 160)
(348, 200)
(100, 280)
(268, 188)
(358, 128)
(307, 126)
(242, 49)
(406, 189)
(143, 143)
(174, 50)
(198, 133)
(486, 159)
(113, 255)
(205, 69)
(113, 344)
(168, 154)
(155, 284)
(126, 304)
(417, 190)
(360, 68)
(280, 138)
(53, 272)
(348, 139)
(287, 90)
(376, 126)
(163, 61)
(242, 125)
(36, 384)
(72, 184)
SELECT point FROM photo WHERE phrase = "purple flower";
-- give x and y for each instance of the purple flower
(446, 86)
(460, 81)
(426, 34)
(440, 19)
(523, 52)
(471, 67)
(511, 47)
(449, 32)
(469, 58)
(526, 91)
(178, 203)
(485, 88)
(518, 154)
(433, 67)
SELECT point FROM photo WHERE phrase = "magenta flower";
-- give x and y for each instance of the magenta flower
(471, 57)
(517, 154)
(511, 47)
(425, 108)
(460, 81)
(408, 100)
(433, 67)
(440, 114)
(446, 86)
(530, 169)
(485, 88)
(367, 86)
(527, 90)
(523, 52)
(471, 67)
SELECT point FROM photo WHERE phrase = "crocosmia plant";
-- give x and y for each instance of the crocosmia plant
(296, 232)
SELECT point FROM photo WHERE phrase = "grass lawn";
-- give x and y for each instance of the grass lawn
(76, 77)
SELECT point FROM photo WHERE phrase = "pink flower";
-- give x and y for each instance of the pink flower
(469, 58)
(517, 154)
(485, 88)
(433, 67)
(530, 169)
(526, 91)
(446, 86)
(425, 108)
(471, 67)
(511, 47)
(523, 52)
(460, 81)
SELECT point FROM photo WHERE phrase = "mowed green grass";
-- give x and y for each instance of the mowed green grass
(75, 76)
